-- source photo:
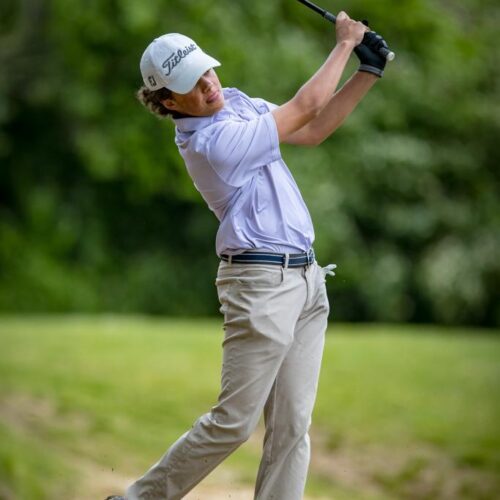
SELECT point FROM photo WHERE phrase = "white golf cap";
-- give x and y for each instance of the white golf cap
(174, 61)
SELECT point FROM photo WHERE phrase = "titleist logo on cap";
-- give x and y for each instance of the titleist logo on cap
(176, 57)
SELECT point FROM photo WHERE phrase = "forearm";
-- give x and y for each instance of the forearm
(314, 95)
(339, 107)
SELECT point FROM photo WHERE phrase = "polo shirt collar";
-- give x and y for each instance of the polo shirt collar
(192, 124)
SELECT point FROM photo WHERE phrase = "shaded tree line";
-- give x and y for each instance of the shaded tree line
(97, 212)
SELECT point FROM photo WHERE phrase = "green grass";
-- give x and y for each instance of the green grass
(395, 403)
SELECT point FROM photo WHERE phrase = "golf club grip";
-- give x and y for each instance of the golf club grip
(386, 53)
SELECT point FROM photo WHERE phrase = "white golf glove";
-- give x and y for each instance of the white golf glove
(329, 269)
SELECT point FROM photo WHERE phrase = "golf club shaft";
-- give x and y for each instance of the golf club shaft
(388, 54)
(322, 12)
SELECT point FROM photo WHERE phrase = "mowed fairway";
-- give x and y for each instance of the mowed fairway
(88, 403)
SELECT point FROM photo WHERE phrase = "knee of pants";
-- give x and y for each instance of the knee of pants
(244, 432)
(231, 428)
(236, 434)
(294, 428)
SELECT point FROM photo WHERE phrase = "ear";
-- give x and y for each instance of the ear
(170, 104)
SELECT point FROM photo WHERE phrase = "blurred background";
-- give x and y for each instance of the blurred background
(106, 248)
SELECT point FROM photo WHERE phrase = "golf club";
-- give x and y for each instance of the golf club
(383, 51)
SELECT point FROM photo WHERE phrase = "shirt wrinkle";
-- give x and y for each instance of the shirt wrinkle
(235, 162)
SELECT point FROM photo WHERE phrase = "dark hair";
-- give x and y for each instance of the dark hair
(151, 99)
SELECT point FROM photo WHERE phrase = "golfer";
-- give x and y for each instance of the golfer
(271, 289)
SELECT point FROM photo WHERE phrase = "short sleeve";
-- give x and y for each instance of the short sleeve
(262, 105)
(236, 150)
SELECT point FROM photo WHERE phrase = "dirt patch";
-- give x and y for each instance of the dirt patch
(222, 484)
(95, 482)
(417, 473)
(5, 493)
(421, 472)
(21, 411)
(26, 413)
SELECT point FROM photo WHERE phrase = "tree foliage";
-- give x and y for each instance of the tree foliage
(97, 212)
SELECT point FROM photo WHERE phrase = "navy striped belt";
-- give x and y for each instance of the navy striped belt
(279, 259)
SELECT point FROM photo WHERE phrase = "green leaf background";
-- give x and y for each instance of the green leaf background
(97, 212)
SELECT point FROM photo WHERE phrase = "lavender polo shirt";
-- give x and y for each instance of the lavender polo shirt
(235, 162)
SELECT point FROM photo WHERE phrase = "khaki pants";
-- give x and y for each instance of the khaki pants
(274, 321)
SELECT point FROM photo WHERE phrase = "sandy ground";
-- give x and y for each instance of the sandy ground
(97, 484)
(421, 472)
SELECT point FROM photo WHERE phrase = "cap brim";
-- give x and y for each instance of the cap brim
(192, 72)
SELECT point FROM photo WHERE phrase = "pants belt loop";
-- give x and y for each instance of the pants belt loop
(230, 259)
(287, 260)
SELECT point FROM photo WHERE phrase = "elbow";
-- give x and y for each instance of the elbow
(309, 105)
(318, 137)
(315, 137)
(308, 142)
(316, 141)
(314, 107)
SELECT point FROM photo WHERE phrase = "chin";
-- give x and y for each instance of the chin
(219, 104)
(215, 107)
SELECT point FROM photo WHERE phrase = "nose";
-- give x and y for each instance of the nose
(205, 83)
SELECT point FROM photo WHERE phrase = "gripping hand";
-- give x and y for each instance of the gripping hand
(368, 55)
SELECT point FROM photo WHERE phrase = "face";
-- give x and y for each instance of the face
(204, 100)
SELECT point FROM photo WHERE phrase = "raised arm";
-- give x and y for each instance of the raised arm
(340, 106)
(314, 95)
